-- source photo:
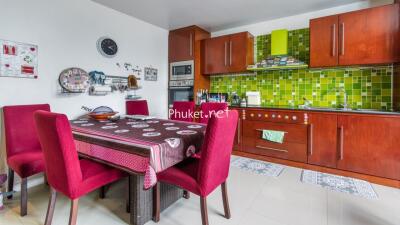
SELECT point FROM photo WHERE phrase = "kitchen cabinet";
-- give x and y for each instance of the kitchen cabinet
(228, 54)
(368, 36)
(369, 144)
(324, 41)
(322, 137)
(181, 44)
(354, 142)
(294, 146)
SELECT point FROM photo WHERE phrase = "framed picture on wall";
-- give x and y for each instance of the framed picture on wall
(150, 74)
(18, 59)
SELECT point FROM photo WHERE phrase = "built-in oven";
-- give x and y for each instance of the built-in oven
(183, 70)
(181, 90)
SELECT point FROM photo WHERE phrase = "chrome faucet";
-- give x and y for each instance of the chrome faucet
(307, 103)
(345, 105)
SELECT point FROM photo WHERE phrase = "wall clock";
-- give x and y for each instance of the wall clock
(107, 47)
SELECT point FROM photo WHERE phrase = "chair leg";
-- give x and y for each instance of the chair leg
(51, 206)
(204, 213)
(74, 212)
(186, 194)
(45, 179)
(156, 203)
(10, 182)
(24, 197)
(225, 199)
(128, 201)
(102, 192)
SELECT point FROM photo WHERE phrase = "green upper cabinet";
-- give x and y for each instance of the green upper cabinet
(364, 37)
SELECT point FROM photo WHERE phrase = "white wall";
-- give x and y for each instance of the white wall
(299, 21)
(66, 32)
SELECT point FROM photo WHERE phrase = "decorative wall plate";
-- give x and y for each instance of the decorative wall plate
(74, 80)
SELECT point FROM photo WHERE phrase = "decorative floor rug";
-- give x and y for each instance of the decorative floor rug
(256, 166)
(339, 183)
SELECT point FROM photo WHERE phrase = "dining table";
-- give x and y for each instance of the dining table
(142, 148)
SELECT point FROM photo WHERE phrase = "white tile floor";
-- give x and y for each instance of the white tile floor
(255, 200)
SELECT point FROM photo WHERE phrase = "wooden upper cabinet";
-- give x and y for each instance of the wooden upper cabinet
(324, 41)
(228, 54)
(322, 149)
(181, 44)
(216, 55)
(369, 36)
(369, 144)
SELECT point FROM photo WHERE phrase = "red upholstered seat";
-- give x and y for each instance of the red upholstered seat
(24, 155)
(182, 111)
(65, 172)
(27, 164)
(137, 107)
(204, 175)
(209, 108)
(183, 175)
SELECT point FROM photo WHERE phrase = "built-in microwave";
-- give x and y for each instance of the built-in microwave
(183, 70)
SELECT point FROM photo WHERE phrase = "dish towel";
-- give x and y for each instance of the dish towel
(273, 135)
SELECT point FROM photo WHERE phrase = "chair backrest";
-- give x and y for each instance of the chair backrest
(60, 156)
(208, 108)
(216, 151)
(19, 125)
(182, 111)
(137, 107)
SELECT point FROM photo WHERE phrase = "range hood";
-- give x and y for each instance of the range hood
(279, 58)
(279, 43)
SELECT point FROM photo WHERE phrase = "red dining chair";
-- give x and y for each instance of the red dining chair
(65, 172)
(137, 107)
(202, 176)
(182, 111)
(208, 108)
(24, 154)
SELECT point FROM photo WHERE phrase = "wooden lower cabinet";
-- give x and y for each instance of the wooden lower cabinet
(370, 145)
(322, 150)
(361, 143)
(237, 144)
(294, 146)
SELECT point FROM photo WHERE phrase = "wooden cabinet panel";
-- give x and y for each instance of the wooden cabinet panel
(369, 36)
(241, 52)
(181, 44)
(237, 144)
(369, 145)
(216, 55)
(293, 148)
(228, 54)
(322, 139)
(283, 116)
(324, 41)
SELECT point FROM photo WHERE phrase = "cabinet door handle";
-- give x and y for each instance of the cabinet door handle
(230, 53)
(310, 138)
(334, 40)
(272, 149)
(343, 39)
(191, 45)
(226, 49)
(341, 141)
(238, 132)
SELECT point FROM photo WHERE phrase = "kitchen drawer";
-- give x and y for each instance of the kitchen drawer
(295, 133)
(294, 146)
(276, 116)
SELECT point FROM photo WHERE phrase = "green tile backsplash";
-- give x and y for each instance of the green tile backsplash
(366, 87)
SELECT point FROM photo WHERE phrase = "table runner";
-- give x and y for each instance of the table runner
(146, 147)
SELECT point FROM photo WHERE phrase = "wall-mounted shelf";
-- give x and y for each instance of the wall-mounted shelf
(289, 67)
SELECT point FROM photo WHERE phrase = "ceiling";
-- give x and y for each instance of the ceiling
(214, 15)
